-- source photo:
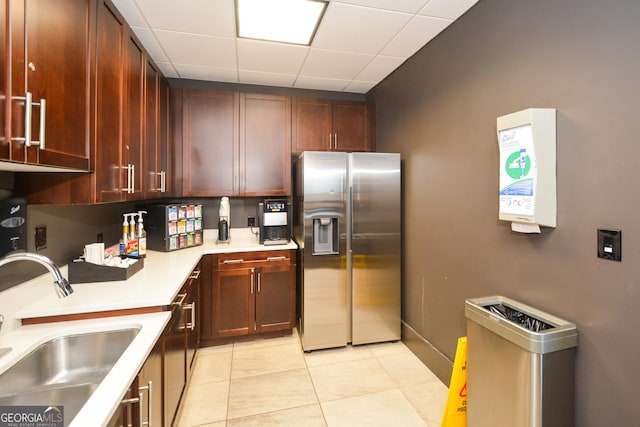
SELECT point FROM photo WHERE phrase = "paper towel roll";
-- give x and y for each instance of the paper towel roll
(522, 227)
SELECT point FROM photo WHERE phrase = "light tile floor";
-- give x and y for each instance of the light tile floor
(274, 383)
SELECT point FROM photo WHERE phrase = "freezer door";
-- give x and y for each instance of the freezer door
(375, 247)
(324, 296)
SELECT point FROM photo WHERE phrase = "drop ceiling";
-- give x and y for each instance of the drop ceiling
(358, 42)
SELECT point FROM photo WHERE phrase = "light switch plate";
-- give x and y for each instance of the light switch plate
(610, 245)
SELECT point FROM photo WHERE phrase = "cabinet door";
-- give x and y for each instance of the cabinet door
(4, 142)
(210, 143)
(150, 386)
(109, 89)
(55, 60)
(17, 82)
(312, 126)
(275, 298)
(164, 145)
(352, 126)
(234, 298)
(133, 140)
(265, 145)
(174, 379)
(191, 323)
(152, 147)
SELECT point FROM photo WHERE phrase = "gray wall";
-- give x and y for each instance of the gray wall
(439, 110)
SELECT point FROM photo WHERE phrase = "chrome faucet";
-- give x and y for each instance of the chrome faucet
(63, 288)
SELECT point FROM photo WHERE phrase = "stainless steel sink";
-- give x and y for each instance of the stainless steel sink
(64, 371)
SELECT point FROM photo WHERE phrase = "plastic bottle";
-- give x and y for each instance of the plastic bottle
(125, 236)
(132, 241)
(142, 236)
(132, 226)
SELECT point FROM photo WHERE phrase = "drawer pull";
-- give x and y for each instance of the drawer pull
(233, 261)
(181, 299)
(276, 258)
(195, 274)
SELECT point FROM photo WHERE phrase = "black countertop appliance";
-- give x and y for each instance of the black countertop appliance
(274, 219)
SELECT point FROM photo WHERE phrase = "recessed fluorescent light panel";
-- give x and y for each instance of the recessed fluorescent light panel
(287, 21)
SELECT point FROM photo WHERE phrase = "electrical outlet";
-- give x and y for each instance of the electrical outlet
(251, 222)
(41, 237)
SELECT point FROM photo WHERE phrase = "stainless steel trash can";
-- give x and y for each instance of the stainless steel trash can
(520, 365)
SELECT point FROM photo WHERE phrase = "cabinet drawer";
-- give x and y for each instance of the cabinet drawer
(254, 259)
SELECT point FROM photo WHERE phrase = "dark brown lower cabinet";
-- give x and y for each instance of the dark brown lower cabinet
(175, 378)
(249, 293)
(142, 404)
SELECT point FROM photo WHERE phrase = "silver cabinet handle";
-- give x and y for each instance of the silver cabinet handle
(259, 281)
(195, 274)
(335, 140)
(193, 316)
(28, 119)
(163, 175)
(133, 178)
(149, 389)
(276, 258)
(28, 101)
(253, 270)
(191, 325)
(132, 401)
(233, 261)
(181, 297)
(43, 121)
(127, 189)
(330, 142)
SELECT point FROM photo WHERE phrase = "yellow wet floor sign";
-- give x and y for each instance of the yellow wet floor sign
(455, 414)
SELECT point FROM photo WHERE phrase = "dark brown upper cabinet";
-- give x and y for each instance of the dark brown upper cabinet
(123, 121)
(234, 144)
(46, 102)
(331, 125)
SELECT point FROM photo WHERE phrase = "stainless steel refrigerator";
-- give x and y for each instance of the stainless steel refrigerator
(347, 223)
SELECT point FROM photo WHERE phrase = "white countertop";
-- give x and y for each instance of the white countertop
(155, 285)
(106, 398)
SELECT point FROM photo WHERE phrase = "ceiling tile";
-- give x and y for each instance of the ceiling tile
(150, 43)
(333, 64)
(447, 8)
(207, 73)
(203, 51)
(414, 35)
(360, 86)
(197, 39)
(379, 68)
(210, 17)
(358, 29)
(320, 83)
(409, 6)
(266, 79)
(131, 13)
(270, 57)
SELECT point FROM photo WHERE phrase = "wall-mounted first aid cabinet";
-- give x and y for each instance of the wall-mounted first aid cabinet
(527, 142)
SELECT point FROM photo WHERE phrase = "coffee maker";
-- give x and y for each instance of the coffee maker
(274, 219)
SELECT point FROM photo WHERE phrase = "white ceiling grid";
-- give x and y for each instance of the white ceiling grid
(358, 43)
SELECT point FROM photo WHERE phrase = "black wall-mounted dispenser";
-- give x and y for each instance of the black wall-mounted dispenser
(13, 225)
